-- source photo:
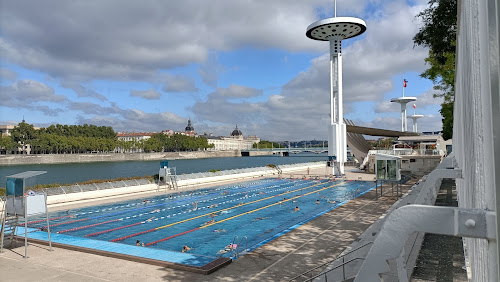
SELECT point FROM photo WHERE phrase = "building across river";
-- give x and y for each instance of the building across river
(235, 141)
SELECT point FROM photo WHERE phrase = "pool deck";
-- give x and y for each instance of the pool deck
(308, 246)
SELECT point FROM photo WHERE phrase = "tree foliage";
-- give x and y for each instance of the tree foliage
(263, 144)
(438, 33)
(63, 139)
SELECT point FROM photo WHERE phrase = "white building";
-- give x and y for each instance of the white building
(235, 141)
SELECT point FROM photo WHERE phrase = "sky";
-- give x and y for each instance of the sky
(151, 65)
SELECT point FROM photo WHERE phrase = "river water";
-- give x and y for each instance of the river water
(77, 172)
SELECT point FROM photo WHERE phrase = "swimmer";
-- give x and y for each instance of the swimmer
(150, 219)
(157, 210)
(296, 209)
(317, 201)
(219, 230)
(213, 215)
(195, 206)
(170, 197)
(231, 246)
(137, 243)
(209, 222)
(185, 248)
(260, 218)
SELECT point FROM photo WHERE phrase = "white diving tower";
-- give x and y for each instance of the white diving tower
(335, 30)
(403, 101)
(414, 118)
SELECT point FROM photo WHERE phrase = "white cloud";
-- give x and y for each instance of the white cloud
(178, 83)
(29, 94)
(238, 91)
(150, 94)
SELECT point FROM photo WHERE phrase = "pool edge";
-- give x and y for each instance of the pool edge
(206, 269)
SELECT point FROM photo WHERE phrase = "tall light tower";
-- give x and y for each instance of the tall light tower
(335, 30)
(403, 101)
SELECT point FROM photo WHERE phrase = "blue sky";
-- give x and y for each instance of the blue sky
(151, 65)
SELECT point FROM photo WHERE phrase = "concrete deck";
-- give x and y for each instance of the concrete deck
(310, 245)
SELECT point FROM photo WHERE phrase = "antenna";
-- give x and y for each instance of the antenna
(335, 6)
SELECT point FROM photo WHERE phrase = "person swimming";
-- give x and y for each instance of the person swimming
(296, 209)
(137, 243)
(317, 201)
(185, 248)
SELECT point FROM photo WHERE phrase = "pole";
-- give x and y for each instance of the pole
(47, 218)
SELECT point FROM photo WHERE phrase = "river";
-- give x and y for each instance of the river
(77, 172)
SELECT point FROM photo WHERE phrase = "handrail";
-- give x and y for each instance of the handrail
(339, 257)
(343, 271)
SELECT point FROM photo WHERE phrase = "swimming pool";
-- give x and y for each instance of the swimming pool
(208, 220)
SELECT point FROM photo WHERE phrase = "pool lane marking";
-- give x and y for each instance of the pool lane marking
(117, 228)
(88, 226)
(238, 215)
(120, 212)
(203, 215)
(42, 220)
(130, 225)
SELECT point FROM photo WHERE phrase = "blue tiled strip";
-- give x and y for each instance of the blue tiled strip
(137, 251)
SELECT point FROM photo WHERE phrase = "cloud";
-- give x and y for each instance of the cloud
(210, 70)
(150, 94)
(7, 75)
(139, 121)
(178, 83)
(91, 108)
(120, 41)
(82, 91)
(29, 94)
(238, 91)
(301, 109)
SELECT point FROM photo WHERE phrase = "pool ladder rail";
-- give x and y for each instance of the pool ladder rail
(236, 251)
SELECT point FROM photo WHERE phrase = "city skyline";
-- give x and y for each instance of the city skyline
(152, 66)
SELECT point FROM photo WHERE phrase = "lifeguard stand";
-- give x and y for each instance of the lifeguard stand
(387, 169)
(167, 175)
(21, 204)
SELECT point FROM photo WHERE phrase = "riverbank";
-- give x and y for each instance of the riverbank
(117, 157)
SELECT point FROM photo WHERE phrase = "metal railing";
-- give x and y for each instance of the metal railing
(330, 262)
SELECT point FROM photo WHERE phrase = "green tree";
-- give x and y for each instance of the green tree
(23, 134)
(6, 143)
(263, 144)
(438, 33)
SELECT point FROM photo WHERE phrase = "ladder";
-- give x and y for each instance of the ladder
(9, 226)
(236, 241)
(173, 178)
(279, 170)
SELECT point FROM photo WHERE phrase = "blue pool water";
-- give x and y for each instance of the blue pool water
(258, 211)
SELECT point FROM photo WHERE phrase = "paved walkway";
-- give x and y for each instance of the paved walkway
(308, 246)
